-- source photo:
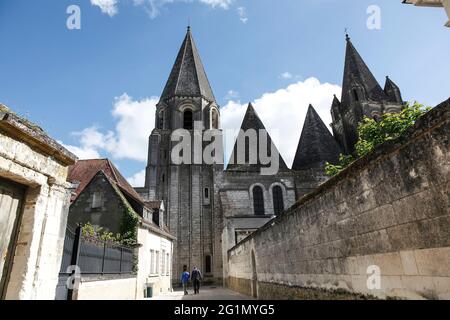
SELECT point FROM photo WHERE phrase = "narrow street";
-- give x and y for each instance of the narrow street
(206, 293)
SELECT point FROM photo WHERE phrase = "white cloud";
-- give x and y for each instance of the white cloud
(283, 113)
(286, 75)
(242, 12)
(129, 140)
(107, 6)
(224, 4)
(153, 7)
(137, 180)
(231, 94)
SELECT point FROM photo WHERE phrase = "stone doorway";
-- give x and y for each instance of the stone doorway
(11, 201)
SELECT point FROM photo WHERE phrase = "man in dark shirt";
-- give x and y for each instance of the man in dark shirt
(196, 277)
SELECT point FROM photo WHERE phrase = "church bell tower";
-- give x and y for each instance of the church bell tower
(187, 189)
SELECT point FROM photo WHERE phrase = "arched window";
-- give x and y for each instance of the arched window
(278, 203)
(188, 120)
(161, 120)
(214, 119)
(258, 201)
(355, 95)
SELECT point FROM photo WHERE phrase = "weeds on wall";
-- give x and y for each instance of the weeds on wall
(372, 133)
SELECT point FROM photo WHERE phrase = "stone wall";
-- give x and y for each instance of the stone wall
(390, 209)
(30, 158)
(116, 289)
(108, 216)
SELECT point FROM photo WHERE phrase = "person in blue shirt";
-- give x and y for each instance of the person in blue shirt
(184, 279)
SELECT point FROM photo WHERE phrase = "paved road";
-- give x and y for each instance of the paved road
(206, 293)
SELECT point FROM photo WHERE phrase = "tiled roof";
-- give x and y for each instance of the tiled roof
(188, 76)
(316, 145)
(356, 72)
(153, 204)
(84, 170)
(252, 121)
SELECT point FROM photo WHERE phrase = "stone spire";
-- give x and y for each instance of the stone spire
(252, 121)
(316, 145)
(358, 79)
(188, 77)
(392, 91)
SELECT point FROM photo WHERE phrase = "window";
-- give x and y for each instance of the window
(163, 262)
(157, 262)
(355, 95)
(155, 217)
(214, 119)
(161, 120)
(206, 193)
(187, 120)
(152, 262)
(258, 201)
(278, 204)
(97, 200)
(208, 264)
(167, 264)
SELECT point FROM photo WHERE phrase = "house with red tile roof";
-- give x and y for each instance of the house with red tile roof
(102, 197)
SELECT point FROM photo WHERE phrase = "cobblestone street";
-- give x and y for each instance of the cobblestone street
(206, 293)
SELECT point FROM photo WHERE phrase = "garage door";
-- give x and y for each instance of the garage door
(11, 196)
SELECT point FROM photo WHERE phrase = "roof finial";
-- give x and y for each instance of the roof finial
(347, 37)
(189, 25)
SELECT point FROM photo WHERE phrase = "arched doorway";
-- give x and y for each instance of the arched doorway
(254, 277)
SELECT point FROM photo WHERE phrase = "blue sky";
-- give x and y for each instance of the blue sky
(92, 88)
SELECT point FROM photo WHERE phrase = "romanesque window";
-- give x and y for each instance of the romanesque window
(278, 204)
(258, 200)
(355, 95)
(208, 264)
(161, 120)
(188, 120)
(214, 119)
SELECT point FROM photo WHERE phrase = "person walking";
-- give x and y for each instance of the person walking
(184, 279)
(196, 278)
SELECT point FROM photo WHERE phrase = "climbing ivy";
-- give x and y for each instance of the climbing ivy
(372, 133)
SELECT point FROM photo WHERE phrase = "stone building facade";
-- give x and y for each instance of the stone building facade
(34, 203)
(211, 208)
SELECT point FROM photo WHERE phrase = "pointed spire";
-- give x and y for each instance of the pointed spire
(357, 74)
(392, 91)
(316, 145)
(336, 103)
(188, 76)
(252, 121)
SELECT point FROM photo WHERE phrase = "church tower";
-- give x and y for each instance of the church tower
(187, 189)
(361, 96)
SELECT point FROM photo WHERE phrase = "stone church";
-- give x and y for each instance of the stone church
(211, 208)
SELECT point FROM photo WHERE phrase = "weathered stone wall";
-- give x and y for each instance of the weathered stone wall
(109, 216)
(35, 161)
(390, 209)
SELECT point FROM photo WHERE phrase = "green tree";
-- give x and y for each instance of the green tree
(372, 133)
